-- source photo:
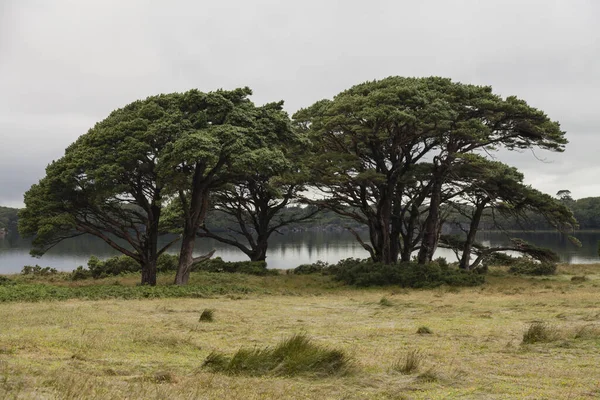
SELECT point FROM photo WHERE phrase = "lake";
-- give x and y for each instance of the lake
(285, 251)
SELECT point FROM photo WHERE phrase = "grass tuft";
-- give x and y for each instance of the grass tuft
(588, 332)
(429, 376)
(385, 302)
(296, 355)
(579, 279)
(207, 315)
(423, 330)
(409, 363)
(163, 377)
(539, 332)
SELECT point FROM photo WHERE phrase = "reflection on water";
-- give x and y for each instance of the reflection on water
(285, 251)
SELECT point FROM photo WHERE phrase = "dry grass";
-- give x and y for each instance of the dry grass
(154, 349)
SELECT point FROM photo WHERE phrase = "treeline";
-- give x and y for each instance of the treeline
(398, 156)
(586, 211)
(8, 220)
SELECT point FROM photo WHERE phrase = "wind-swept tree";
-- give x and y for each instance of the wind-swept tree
(267, 181)
(107, 184)
(481, 186)
(226, 136)
(369, 139)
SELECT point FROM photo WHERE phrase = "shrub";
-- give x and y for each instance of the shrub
(410, 274)
(38, 271)
(527, 266)
(80, 273)
(6, 281)
(119, 265)
(539, 332)
(244, 267)
(442, 262)
(296, 355)
(500, 259)
(112, 266)
(409, 363)
(207, 315)
(167, 262)
(318, 267)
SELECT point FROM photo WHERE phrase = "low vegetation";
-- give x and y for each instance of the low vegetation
(296, 355)
(355, 343)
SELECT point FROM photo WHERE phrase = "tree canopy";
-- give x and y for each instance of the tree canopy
(388, 153)
(402, 156)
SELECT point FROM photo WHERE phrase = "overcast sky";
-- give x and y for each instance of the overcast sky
(65, 64)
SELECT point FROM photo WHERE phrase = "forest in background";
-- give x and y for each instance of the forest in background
(586, 211)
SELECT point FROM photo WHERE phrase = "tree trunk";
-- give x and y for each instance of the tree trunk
(259, 253)
(186, 255)
(466, 255)
(431, 229)
(151, 247)
(149, 273)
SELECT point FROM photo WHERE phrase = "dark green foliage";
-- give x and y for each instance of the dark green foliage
(367, 273)
(539, 332)
(207, 315)
(119, 265)
(318, 267)
(80, 273)
(243, 267)
(526, 266)
(112, 266)
(500, 259)
(167, 262)
(8, 219)
(442, 262)
(38, 271)
(6, 281)
(296, 355)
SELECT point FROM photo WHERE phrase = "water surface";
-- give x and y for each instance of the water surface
(285, 251)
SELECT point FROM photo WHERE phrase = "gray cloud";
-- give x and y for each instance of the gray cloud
(66, 64)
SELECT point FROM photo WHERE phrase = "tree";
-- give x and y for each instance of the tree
(107, 184)
(259, 197)
(372, 140)
(484, 185)
(366, 141)
(227, 133)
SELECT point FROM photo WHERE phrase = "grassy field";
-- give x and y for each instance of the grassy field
(155, 348)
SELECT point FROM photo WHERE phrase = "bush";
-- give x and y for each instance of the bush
(526, 266)
(296, 355)
(318, 267)
(442, 262)
(6, 281)
(243, 267)
(119, 265)
(112, 266)
(80, 273)
(38, 271)
(367, 273)
(500, 259)
(167, 262)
